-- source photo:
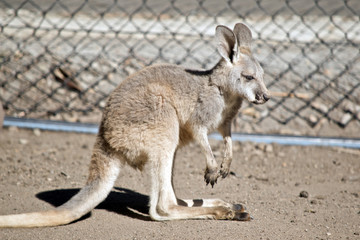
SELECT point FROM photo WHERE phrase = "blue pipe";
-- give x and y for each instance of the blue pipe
(242, 137)
(51, 125)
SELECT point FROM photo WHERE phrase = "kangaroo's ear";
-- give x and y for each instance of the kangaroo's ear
(243, 36)
(226, 41)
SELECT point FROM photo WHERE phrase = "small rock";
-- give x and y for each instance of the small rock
(348, 106)
(269, 148)
(261, 146)
(346, 118)
(304, 194)
(314, 202)
(336, 163)
(37, 132)
(130, 70)
(73, 117)
(23, 141)
(313, 119)
(355, 194)
(320, 197)
(264, 113)
(320, 106)
(102, 104)
(64, 174)
(264, 179)
(310, 211)
(56, 117)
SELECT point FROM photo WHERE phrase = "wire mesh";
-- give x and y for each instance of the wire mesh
(61, 59)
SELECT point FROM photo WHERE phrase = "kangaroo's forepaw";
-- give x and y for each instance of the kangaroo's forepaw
(211, 176)
(224, 170)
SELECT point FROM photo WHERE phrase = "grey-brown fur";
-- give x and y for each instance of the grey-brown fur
(153, 113)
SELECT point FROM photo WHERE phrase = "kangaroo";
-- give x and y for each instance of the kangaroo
(153, 113)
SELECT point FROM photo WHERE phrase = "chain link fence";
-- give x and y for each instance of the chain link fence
(60, 59)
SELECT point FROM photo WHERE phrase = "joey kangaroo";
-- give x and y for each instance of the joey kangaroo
(153, 113)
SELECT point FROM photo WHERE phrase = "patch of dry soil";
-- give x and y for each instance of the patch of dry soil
(41, 169)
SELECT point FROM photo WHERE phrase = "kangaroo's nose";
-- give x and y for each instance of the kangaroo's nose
(266, 97)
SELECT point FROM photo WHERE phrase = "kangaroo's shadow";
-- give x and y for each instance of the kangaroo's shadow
(120, 200)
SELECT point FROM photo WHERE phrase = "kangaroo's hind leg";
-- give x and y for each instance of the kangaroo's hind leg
(165, 206)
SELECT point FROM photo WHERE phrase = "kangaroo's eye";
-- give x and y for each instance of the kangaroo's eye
(248, 77)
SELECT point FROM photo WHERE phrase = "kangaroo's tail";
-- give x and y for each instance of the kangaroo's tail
(103, 173)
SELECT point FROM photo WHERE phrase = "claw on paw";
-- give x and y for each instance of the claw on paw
(242, 216)
(224, 172)
(211, 177)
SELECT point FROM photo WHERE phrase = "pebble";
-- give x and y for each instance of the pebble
(304, 194)
(73, 117)
(264, 113)
(23, 141)
(309, 211)
(346, 118)
(320, 106)
(355, 194)
(37, 132)
(269, 148)
(348, 107)
(313, 119)
(320, 197)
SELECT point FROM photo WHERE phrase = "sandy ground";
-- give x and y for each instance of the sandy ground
(41, 169)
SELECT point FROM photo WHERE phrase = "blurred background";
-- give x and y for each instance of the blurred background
(60, 59)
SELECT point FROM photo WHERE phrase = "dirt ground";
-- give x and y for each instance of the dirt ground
(42, 169)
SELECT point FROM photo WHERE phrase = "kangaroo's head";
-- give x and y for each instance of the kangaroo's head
(246, 76)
